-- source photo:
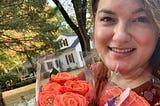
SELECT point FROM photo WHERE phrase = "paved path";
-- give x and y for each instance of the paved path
(14, 96)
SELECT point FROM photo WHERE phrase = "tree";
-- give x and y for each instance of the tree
(9, 59)
(28, 27)
(80, 9)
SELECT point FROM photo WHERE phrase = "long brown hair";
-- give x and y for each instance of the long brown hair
(153, 8)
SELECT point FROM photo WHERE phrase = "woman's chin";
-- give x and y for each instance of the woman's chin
(122, 69)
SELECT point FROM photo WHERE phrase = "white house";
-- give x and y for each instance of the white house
(69, 58)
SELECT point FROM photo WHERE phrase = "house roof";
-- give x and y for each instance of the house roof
(72, 46)
(66, 35)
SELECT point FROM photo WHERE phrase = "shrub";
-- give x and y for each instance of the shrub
(8, 79)
(24, 82)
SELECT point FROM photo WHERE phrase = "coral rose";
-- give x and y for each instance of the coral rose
(78, 86)
(61, 77)
(70, 99)
(46, 98)
(51, 86)
(114, 92)
(110, 91)
(135, 100)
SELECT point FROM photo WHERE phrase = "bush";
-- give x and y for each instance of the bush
(11, 81)
(24, 82)
(8, 79)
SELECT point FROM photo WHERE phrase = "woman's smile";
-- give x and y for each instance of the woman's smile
(120, 53)
(121, 50)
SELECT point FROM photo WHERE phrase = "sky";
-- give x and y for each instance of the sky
(51, 3)
(66, 4)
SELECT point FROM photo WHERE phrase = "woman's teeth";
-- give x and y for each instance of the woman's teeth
(122, 51)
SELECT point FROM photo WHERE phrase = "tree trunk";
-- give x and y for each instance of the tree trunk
(80, 30)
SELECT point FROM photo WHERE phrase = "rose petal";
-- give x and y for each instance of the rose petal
(110, 92)
(132, 100)
(78, 86)
(62, 77)
(70, 99)
(46, 98)
(135, 100)
(51, 86)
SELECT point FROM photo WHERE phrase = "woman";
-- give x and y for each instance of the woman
(126, 34)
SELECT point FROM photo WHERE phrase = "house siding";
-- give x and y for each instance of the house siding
(70, 57)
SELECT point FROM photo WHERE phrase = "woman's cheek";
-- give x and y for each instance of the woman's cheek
(102, 37)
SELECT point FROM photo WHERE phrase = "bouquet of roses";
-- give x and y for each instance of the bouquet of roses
(64, 89)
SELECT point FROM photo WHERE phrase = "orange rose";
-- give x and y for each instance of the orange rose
(135, 100)
(70, 99)
(51, 86)
(78, 86)
(62, 77)
(46, 98)
(132, 100)
(110, 91)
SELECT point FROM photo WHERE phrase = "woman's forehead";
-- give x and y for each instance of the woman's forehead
(120, 5)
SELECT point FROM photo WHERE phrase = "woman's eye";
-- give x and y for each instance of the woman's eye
(107, 19)
(141, 19)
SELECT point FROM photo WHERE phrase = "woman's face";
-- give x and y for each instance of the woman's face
(124, 34)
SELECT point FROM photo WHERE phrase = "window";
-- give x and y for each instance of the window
(65, 42)
(60, 43)
(49, 65)
(70, 58)
(67, 59)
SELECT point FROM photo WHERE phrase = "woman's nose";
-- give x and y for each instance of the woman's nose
(121, 33)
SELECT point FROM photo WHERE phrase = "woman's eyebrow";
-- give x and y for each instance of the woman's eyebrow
(139, 10)
(105, 11)
(111, 12)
